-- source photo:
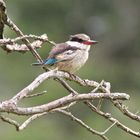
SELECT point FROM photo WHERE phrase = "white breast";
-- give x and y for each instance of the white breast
(74, 64)
(79, 60)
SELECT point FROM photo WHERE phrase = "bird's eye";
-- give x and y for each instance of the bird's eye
(77, 39)
(80, 40)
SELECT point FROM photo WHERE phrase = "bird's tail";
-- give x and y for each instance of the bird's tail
(37, 64)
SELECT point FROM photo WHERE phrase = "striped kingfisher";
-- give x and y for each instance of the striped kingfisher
(69, 56)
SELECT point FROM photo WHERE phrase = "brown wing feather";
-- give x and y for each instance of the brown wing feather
(60, 48)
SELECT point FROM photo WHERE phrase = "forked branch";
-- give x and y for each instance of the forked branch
(100, 91)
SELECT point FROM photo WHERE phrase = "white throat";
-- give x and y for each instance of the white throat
(79, 45)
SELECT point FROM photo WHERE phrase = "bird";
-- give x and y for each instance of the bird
(69, 56)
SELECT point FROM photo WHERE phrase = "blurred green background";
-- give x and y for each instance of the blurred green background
(114, 23)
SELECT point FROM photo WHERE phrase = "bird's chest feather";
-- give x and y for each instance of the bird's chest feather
(75, 63)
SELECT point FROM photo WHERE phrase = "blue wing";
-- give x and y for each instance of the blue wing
(60, 57)
(50, 61)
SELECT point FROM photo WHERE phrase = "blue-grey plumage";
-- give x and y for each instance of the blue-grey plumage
(69, 56)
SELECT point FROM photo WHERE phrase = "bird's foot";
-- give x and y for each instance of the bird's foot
(72, 76)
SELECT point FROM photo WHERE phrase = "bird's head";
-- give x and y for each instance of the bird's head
(81, 41)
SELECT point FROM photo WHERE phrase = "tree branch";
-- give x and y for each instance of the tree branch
(10, 121)
(113, 120)
(11, 24)
(10, 45)
(83, 124)
(100, 90)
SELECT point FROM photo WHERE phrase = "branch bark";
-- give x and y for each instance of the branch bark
(10, 107)
(99, 91)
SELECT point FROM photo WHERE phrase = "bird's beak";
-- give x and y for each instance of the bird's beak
(93, 41)
(90, 42)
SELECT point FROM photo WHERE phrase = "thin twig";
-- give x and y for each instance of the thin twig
(43, 38)
(21, 47)
(108, 128)
(36, 94)
(113, 120)
(66, 86)
(125, 111)
(96, 89)
(11, 24)
(10, 121)
(22, 126)
(33, 117)
(82, 124)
